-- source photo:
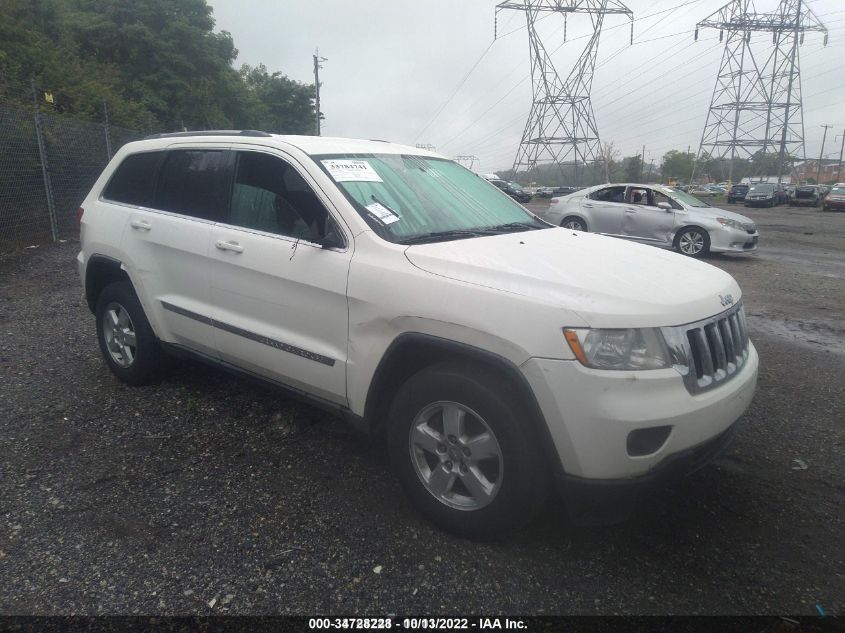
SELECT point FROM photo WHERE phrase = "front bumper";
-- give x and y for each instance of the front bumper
(838, 205)
(731, 240)
(590, 413)
(761, 202)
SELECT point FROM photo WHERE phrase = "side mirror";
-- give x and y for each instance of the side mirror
(665, 206)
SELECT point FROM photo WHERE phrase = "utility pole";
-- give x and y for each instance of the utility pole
(642, 165)
(841, 150)
(821, 154)
(317, 66)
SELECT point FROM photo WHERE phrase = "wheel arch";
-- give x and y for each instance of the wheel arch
(683, 228)
(100, 271)
(574, 214)
(411, 352)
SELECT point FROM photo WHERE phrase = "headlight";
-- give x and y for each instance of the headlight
(730, 223)
(619, 349)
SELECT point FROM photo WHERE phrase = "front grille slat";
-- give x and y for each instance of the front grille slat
(703, 349)
(716, 348)
(718, 345)
(727, 337)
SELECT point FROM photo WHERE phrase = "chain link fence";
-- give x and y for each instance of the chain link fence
(48, 163)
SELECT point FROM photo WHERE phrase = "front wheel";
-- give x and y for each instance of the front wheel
(459, 442)
(574, 223)
(692, 242)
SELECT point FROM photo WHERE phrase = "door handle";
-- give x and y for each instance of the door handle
(141, 225)
(229, 246)
(588, 206)
(631, 211)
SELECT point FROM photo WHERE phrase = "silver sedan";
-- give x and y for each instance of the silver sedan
(657, 215)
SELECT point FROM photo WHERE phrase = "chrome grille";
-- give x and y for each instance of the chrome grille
(710, 352)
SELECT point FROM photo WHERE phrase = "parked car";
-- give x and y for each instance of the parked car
(701, 191)
(824, 190)
(656, 215)
(737, 193)
(790, 192)
(765, 195)
(494, 352)
(807, 194)
(718, 190)
(514, 190)
(551, 192)
(835, 200)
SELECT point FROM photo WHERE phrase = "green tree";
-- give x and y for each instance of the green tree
(677, 164)
(156, 63)
(633, 168)
(280, 105)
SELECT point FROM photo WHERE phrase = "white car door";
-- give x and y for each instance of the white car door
(168, 243)
(279, 298)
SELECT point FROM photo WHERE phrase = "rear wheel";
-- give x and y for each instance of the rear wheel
(692, 242)
(126, 339)
(574, 223)
(459, 442)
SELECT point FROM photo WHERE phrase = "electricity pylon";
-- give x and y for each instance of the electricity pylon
(467, 160)
(756, 105)
(561, 128)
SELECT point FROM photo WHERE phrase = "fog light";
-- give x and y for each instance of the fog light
(647, 441)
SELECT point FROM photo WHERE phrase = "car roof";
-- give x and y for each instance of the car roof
(312, 145)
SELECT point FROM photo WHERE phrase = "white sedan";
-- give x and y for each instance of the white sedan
(657, 215)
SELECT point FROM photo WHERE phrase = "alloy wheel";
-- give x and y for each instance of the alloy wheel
(456, 455)
(691, 243)
(119, 334)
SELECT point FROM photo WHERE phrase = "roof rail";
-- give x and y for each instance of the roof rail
(209, 133)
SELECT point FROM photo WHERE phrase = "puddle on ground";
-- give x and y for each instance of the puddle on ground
(815, 334)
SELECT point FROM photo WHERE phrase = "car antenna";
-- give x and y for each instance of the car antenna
(293, 248)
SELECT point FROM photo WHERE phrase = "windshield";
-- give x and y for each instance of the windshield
(685, 198)
(515, 185)
(839, 191)
(402, 197)
(763, 188)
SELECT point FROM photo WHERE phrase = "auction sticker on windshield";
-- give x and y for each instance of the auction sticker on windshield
(387, 216)
(351, 171)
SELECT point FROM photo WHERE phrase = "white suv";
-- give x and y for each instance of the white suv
(497, 353)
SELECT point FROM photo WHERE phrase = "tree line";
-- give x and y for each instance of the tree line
(155, 64)
(674, 165)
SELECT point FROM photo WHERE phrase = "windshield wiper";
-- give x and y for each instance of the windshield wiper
(440, 236)
(513, 227)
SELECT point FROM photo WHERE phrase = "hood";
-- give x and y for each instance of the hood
(606, 281)
(716, 212)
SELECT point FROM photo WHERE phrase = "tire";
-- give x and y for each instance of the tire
(120, 322)
(479, 498)
(574, 223)
(692, 242)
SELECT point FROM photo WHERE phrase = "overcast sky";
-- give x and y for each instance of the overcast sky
(395, 68)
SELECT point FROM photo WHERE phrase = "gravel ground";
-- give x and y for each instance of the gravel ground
(207, 494)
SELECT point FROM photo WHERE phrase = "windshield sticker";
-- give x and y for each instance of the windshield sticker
(351, 171)
(385, 215)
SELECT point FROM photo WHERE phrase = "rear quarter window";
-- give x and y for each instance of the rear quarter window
(134, 179)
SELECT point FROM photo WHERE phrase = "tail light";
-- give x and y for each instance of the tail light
(79, 213)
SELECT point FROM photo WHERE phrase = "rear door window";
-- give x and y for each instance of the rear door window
(195, 183)
(134, 179)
